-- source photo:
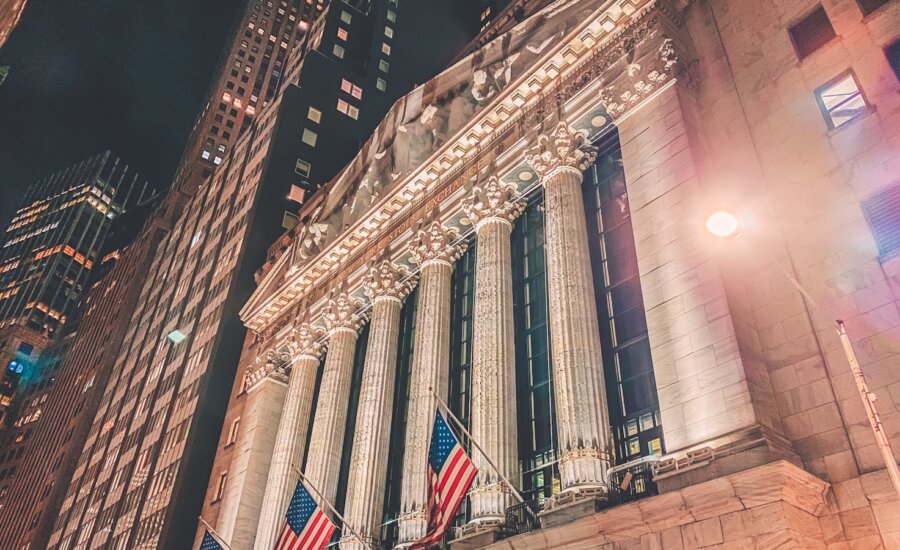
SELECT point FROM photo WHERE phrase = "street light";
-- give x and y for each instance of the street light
(724, 224)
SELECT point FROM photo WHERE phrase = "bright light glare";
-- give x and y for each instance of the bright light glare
(722, 224)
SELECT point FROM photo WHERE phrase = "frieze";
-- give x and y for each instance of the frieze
(648, 60)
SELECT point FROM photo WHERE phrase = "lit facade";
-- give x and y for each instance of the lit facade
(524, 234)
(10, 13)
(139, 480)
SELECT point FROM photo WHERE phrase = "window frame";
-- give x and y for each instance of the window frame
(826, 112)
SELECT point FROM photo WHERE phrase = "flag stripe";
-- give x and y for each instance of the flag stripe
(311, 540)
(458, 459)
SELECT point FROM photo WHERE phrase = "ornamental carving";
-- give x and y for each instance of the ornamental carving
(343, 312)
(493, 199)
(387, 280)
(563, 147)
(437, 242)
(307, 340)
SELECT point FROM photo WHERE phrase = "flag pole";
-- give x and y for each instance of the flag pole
(306, 482)
(213, 531)
(487, 458)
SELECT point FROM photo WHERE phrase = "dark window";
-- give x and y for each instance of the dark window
(868, 6)
(811, 33)
(462, 301)
(841, 100)
(389, 532)
(892, 53)
(883, 213)
(538, 444)
(627, 365)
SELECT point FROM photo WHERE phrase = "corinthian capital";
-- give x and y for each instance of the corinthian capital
(493, 199)
(387, 280)
(436, 242)
(342, 312)
(307, 340)
(563, 147)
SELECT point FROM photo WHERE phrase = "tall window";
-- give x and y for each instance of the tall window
(359, 359)
(534, 376)
(630, 383)
(462, 301)
(389, 532)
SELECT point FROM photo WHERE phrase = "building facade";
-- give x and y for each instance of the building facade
(10, 13)
(523, 237)
(48, 255)
(139, 479)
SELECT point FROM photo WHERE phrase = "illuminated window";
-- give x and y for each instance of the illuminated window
(383, 65)
(346, 17)
(389, 32)
(310, 137)
(314, 115)
(391, 16)
(381, 84)
(356, 92)
(385, 48)
(302, 168)
(841, 100)
(342, 34)
(346, 86)
(217, 160)
(338, 51)
(205, 155)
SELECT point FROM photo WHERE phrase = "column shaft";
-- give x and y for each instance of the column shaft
(327, 441)
(493, 372)
(288, 453)
(368, 462)
(431, 357)
(582, 417)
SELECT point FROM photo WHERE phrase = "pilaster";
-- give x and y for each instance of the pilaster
(292, 428)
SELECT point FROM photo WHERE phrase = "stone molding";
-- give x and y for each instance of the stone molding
(435, 242)
(493, 199)
(275, 367)
(563, 148)
(387, 280)
(343, 313)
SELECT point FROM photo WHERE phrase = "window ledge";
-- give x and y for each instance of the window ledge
(870, 109)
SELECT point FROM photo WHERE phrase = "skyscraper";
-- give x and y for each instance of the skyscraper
(535, 256)
(141, 476)
(48, 254)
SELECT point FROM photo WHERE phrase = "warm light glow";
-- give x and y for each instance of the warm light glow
(722, 224)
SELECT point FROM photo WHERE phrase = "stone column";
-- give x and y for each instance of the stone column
(492, 206)
(323, 466)
(435, 249)
(291, 435)
(582, 418)
(387, 286)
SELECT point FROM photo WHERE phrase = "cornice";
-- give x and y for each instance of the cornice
(631, 34)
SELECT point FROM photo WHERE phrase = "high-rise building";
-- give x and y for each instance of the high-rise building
(49, 252)
(535, 254)
(10, 13)
(141, 476)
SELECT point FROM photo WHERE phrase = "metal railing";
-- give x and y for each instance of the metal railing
(521, 518)
(632, 481)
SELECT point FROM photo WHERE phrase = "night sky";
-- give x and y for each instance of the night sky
(124, 75)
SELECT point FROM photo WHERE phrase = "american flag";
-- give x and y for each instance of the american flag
(450, 473)
(209, 542)
(306, 526)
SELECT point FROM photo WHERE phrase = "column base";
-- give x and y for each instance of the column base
(412, 527)
(476, 536)
(353, 543)
(572, 504)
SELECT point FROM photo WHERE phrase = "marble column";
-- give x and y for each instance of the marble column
(387, 286)
(492, 206)
(582, 417)
(291, 435)
(323, 465)
(435, 249)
